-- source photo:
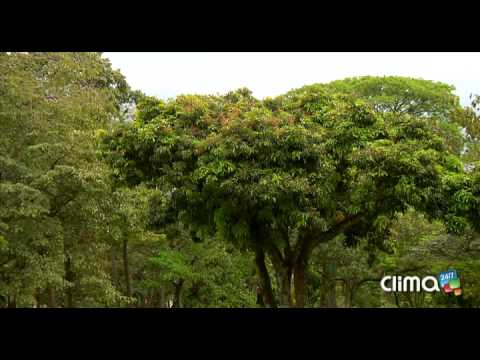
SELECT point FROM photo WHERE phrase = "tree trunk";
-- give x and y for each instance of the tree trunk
(38, 298)
(285, 287)
(331, 295)
(69, 276)
(328, 295)
(265, 284)
(348, 299)
(396, 299)
(260, 301)
(161, 298)
(11, 302)
(283, 271)
(300, 268)
(126, 268)
(177, 299)
(52, 302)
(349, 294)
(299, 282)
(113, 264)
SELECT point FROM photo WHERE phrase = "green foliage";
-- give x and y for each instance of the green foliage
(421, 98)
(320, 161)
(51, 182)
(305, 199)
(400, 94)
(211, 275)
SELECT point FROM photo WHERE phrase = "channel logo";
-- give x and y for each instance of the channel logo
(450, 282)
(447, 281)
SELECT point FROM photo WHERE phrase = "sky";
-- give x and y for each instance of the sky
(169, 74)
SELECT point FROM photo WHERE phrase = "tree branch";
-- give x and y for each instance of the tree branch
(339, 228)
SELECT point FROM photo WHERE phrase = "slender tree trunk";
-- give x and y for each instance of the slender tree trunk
(38, 298)
(113, 264)
(52, 302)
(11, 302)
(349, 294)
(328, 294)
(410, 299)
(265, 284)
(69, 276)
(331, 295)
(396, 299)
(348, 299)
(177, 299)
(161, 297)
(126, 268)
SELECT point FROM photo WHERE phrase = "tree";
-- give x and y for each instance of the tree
(336, 265)
(201, 274)
(398, 94)
(51, 180)
(280, 182)
(433, 101)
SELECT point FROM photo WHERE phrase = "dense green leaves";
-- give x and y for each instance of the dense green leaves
(305, 199)
(51, 183)
(284, 175)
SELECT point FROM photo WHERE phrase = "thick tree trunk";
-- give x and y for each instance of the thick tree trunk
(265, 284)
(306, 245)
(285, 287)
(126, 269)
(299, 283)
(283, 271)
(260, 301)
(290, 276)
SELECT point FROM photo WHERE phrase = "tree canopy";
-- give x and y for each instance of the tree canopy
(282, 176)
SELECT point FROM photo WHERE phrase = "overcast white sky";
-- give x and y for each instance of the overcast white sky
(269, 74)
